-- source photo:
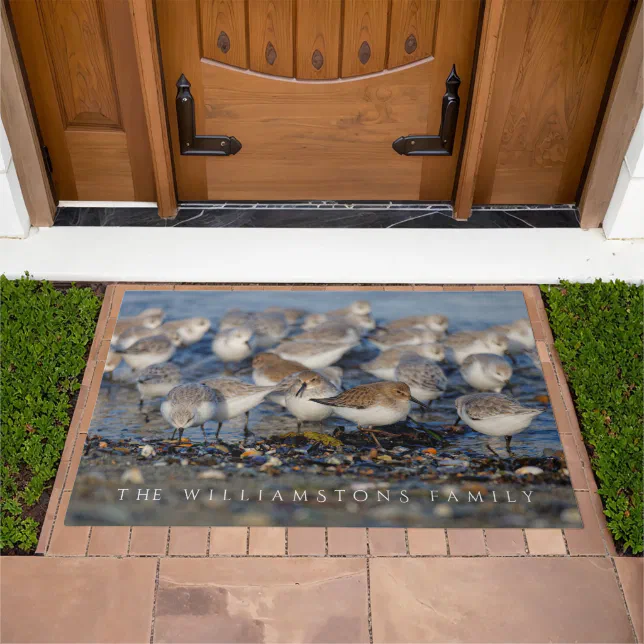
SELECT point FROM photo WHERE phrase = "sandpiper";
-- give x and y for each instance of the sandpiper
(495, 415)
(314, 320)
(154, 350)
(189, 406)
(233, 319)
(292, 315)
(330, 332)
(385, 339)
(332, 374)
(384, 365)
(233, 345)
(466, 343)
(306, 386)
(313, 355)
(359, 307)
(133, 334)
(425, 378)
(112, 361)
(269, 369)
(149, 318)
(268, 329)
(190, 330)
(373, 405)
(436, 323)
(535, 359)
(486, 371)
(157, 380)
(235, 397)
(519, 335)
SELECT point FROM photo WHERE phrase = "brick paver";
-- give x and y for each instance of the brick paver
(311, 584)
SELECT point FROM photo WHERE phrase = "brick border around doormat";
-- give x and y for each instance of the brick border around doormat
(56, 539)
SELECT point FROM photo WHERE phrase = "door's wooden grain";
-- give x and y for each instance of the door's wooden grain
(270, 32)
(364, 36)
(318, 39)
(223, 31)
(411, 31)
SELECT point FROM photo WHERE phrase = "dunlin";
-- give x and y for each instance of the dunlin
(519, 335)
(373, 405)
(332, 374)
(385, 339)
(268, 329)
(235, 397)
(157, 380)
(189, 406)
(190, 330)
(299, 397)
(312, 355)
(149, 318)
(466, 343)
(384, 365)
(495, 415)
(436, 323)
(269, 369)
(154, 350)
(425, 378)
(233, 345)
(330, 332)
(486, 371)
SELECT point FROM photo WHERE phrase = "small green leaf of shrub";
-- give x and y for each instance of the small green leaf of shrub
(598, 331)
(44, 335)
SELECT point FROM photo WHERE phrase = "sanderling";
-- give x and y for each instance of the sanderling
(157, 380)
(190, 330)
(359, 307)
(233, 319)
(268, 329)
(373, 405)
(425, 378)
(314, 320)
(519, 335)
(385, 339)
(133, 334)
(535, 359)
(312, 355)
(292, 315)
(306, 386)
(364, 322)
(495, 415)
(112, 361)
(149, 318)
(436, 323)
(466, 343)
(330, 332)
(189, 406)
(234, 398)
(384, 365)
(486, 371)
(149, 351)
(233, 345)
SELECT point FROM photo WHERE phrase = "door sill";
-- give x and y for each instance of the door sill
(319, 214)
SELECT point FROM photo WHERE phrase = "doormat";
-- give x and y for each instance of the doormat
(323, 408)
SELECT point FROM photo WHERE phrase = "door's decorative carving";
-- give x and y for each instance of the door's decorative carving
(191, 143)
(223, 42)
(411, 44)
(317, 59)
(443, 143)
(271, 54)
(364, 53)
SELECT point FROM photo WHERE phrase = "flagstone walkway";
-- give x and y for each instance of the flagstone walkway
(179, 584)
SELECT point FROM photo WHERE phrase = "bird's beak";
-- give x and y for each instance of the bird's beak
(421, 404)
(300, 391)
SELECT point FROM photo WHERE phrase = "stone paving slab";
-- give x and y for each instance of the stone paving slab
(52, 599)
(497, 600)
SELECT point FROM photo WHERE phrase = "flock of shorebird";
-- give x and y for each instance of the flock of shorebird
(293, 354)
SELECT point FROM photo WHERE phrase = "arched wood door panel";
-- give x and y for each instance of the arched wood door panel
(316, 91)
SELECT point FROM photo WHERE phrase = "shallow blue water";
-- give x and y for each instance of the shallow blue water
(117, 413)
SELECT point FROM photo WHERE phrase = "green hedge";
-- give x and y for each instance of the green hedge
(44, 335)
(598, 331)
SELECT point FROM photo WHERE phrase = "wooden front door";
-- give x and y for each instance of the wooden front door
(80, 60)
(316, 92)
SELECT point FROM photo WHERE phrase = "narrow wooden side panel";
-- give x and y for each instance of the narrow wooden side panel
(76, 39)
(412, 31)
(223, 31)
(318, 39)
(270, 28)
(364, 47)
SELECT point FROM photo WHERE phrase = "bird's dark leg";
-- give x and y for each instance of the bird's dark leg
(299, 425)
(140, 404)
(203, 429)
(457, 421)
(369, 430)
(173, 433)
(508, 439)
(247, 421)
(180, 434)
(491, 450)
(218, 430)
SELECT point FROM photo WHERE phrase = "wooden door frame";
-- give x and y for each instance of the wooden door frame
(614, 135)
(22, 131)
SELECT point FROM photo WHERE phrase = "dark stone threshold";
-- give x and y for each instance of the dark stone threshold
(324, 214)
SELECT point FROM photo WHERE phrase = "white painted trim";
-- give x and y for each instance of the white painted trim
(14, 218)
(406, 256)
(107, 204)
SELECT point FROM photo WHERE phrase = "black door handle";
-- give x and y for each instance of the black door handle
(191, 143)
(440, 144)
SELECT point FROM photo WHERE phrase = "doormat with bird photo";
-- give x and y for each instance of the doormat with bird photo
(323, 408)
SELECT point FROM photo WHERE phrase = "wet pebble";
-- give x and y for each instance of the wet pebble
(529, 469)
(132, 475)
